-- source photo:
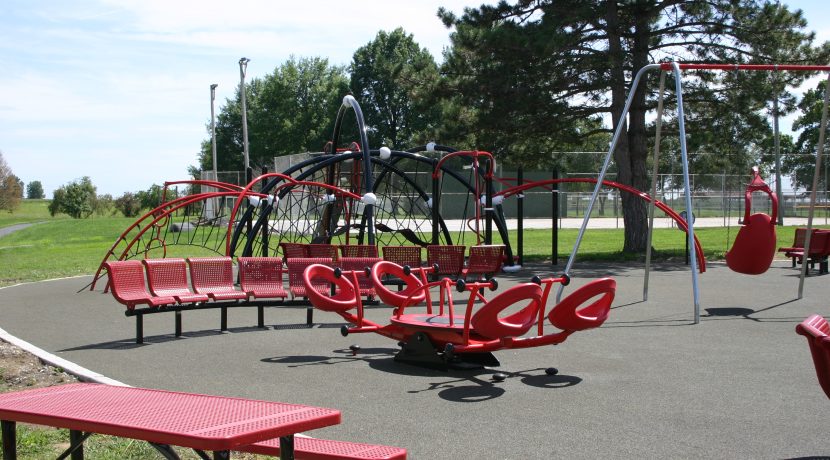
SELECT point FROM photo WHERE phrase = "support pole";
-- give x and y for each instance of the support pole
(554, 197)
(810, 212)
(777, 140)
(654, 177)
(690, 233)
(603, 171)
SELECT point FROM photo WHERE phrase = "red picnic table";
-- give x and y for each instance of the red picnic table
(162, 418)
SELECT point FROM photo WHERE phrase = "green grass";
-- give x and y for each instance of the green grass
(30, 211)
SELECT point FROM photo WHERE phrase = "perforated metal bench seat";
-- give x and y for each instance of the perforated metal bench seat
(323, 449)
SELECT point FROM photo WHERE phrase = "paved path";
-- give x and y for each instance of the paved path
(648, 384)
(13, 228)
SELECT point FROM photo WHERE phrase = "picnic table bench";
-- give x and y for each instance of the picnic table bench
(163, 418)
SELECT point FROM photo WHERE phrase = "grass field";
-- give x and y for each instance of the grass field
(60, 246)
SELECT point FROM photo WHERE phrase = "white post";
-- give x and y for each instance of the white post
(243, 67)
(213, 212)
(654, 177)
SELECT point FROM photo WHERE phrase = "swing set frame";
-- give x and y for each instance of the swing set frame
(676, 69)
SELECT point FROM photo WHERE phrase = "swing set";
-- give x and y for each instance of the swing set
(755, 243)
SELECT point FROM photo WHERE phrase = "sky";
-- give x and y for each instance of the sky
(119, 90)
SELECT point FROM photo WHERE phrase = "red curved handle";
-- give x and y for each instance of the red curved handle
(345, 299)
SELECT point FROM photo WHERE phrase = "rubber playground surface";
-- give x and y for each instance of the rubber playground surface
(647, 384)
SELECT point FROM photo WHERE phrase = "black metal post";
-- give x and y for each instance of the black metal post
(435, 201)
(520, 210)
(555, 224)
(488, 204)
(287, 448)
(76, 443)
(9, 440)
(265, 229)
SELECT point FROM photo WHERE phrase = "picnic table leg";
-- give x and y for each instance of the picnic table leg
(287, 447)
(9, 440)
(223, 455)
(76, 444)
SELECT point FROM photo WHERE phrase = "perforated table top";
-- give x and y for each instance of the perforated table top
(189, 420)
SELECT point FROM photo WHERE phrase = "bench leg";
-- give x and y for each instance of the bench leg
(287, 448)
(224, 320)
(139, 328)
(9, 440)
(309, 316)
(178, 323)
(76, 444)
(260, 319)
(224, 455)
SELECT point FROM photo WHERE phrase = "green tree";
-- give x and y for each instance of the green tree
(289, 111)
(128, 204)
(34, 190)
(537, 67)
(76, 199)
(802, 162)
(391, 78)
(10, 188)
(153, 197)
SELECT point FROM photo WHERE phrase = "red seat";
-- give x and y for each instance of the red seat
(359, 264)
(414, 292)
(214, 276)
(315, 275)
(322, 250)
(293, 250)
(484, 260)
(168, 277)
(126, 279)
(567, 314)
(487, 322)
(403, 255)
(296, 267)
(261, 277)
(816, 330)
(358, 250)
(450, 259)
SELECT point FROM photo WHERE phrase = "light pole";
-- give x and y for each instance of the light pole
(243, 66)
(213, 129)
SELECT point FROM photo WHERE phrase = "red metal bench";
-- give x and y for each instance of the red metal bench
(816, 329)
(293, 250)
(359, 264)
(450, 259)
(358, 250)
(403, 255)
(322, 250)
(168, 277)
(798, 245)
(214, 276)
(819, 251)
(126, 280)
(324, 449)
(262, 277)
(296, 266)
(484, 260)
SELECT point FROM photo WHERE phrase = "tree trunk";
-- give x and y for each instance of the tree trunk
(630, 154)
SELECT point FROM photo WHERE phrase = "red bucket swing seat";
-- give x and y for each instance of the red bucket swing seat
(754, 246)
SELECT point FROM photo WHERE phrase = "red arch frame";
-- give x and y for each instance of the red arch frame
(642, 195)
